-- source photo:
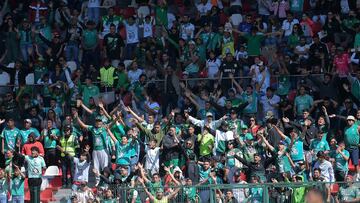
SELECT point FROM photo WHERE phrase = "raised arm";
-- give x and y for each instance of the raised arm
(266, 142)
(137, 117)
(101, 106)
(85, 107)
(80, 122)
(111, 135)
(152, 198)
(282, 135)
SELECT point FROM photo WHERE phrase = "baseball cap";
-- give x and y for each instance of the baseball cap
(98, 118)
(269, 114)
(209, 114)
(27, 121)
(350, 118)
(244, 127)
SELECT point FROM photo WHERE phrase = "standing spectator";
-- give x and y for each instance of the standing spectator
(17, 185)
(89, 43)
(93, 9)
(68, 146)
(132, 37)
(351, 138)
(113, 46)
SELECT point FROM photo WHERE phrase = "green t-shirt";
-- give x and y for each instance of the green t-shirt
(50, 143)
(190, 194)
(90, 38)
(340, 163)
(303, 102)
(122, 80)
(297, 151)
(230, 157)
(355, 88)
(284, 85)
(153, 186)
(17, 186)
(357, 41)
(99, 137)
(10, 137)
(352, 136)
(349, 193)
(39, 72)
(319, 145)
(35, 166)
(296, 5)
(26, 132)
(88, 92)
(3, 186)
(283, 162)
(251, 108)
(254, 44)
(161, 16)
(124, 152)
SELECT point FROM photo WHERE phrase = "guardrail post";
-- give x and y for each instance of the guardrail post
(266, 194)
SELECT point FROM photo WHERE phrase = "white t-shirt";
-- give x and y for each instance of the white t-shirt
(302, 49)
(148, 32)
(236, 19)
(213, 67)
(132, 33)
(266, 83)
(93, 3)
(187, 31)
(288, 26)
(152, 159)
(203, 9)
(81, 170)
(134, 75)
(264, 100)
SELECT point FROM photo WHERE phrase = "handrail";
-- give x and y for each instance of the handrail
(189, 79)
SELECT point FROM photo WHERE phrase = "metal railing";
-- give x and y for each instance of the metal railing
(266, 192)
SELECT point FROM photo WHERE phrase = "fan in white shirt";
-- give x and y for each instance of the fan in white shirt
(152, 158)
(287, 25)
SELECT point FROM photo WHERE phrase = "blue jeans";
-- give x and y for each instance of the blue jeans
(94, 14)
(3, 199)
(72, 53)
(130, 51)
(354, 155)
(24, 48)
(18, 198)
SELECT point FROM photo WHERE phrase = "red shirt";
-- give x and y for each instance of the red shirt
(26, 150)
(341, 62)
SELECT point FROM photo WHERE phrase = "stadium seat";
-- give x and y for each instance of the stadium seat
(55, 183)
(46, 195)
(52, 171)
(335, 189)
(30, 79)
(352, 168)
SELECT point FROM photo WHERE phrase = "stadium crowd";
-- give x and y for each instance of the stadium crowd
(145, 101)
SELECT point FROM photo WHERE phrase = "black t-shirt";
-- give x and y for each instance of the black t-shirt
(229, 67)
(113, 43)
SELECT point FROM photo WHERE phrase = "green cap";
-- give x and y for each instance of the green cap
(248, 136)
(98, 118)
(244, 127)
